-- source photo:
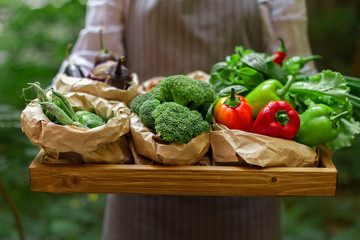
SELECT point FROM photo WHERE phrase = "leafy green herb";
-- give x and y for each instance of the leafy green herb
(329, 88)
(349, 128)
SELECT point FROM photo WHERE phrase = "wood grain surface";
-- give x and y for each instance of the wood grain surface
(185, 180)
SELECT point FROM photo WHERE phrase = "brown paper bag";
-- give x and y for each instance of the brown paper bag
(142, 160)
(153, 147)
(236, 147)
(69, 144)
(65, 84)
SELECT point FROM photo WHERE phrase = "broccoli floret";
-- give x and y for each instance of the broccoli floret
(192, 93)
(162, 90)
(177, 123)
(145, 112)
(138, 101)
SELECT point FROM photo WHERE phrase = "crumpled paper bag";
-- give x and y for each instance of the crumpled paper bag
(142, 160)
(64, 83)
(70, 144)
(153, 147)
(236, 147)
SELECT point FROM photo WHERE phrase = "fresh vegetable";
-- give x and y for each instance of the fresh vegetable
(175, 108)
(89, 119)
(234, 112)
(104, 55)
(64, 103)
(239, 90)
(138, 101)
(112, 73)
(191, 93)
(245, 68)
(269, 90)
(319, 125)
(277, 119)
(145, 112)
(280, 53)
(294, 64)
(329, 88)
(59, 110)
(56, 111)
(72, 69)
(177, 123)
(194, 94)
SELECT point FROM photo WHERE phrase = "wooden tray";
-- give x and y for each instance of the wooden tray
(185, 180)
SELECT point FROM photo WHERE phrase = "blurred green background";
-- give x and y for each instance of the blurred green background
(33, 38)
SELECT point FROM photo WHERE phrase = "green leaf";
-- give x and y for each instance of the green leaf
(255, 61)
(239, 90)
(325, 83)
(250, 76)
(276, 72)
(349, 128)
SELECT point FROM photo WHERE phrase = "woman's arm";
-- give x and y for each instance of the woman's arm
(107, 15)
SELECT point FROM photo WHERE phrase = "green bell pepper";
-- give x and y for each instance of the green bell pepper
(267, 91)
(318, 125)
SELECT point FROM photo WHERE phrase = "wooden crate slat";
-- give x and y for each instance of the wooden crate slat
(184, 180)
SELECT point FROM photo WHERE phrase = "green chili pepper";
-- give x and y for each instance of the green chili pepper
(89, 119)
(267, 91)
(318, 125)
(294, 64)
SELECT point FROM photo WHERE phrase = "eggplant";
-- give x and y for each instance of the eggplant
(104, 54)
(113, 73)
(72, 69)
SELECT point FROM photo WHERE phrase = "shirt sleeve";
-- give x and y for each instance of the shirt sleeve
(287, 19)
(108, 16)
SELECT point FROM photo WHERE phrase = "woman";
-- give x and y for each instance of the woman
(162, 38)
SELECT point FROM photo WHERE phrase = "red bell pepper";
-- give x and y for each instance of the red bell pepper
(280, 53)
(277, 119)
(233, 112)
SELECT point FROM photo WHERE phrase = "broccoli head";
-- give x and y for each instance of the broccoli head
(194, 94)
(145, 112)
(162, 90)
(138, 101)
(177, 123)
(191, 93)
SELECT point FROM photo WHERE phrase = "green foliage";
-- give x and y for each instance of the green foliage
(34, 35)
(33, 44)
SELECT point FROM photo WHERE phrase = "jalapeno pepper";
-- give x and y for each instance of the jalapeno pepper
(234, 112)
(277, 119)
(267, 91)
(280, 53)
(318, 125)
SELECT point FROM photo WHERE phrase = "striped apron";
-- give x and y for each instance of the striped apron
(163, 38)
